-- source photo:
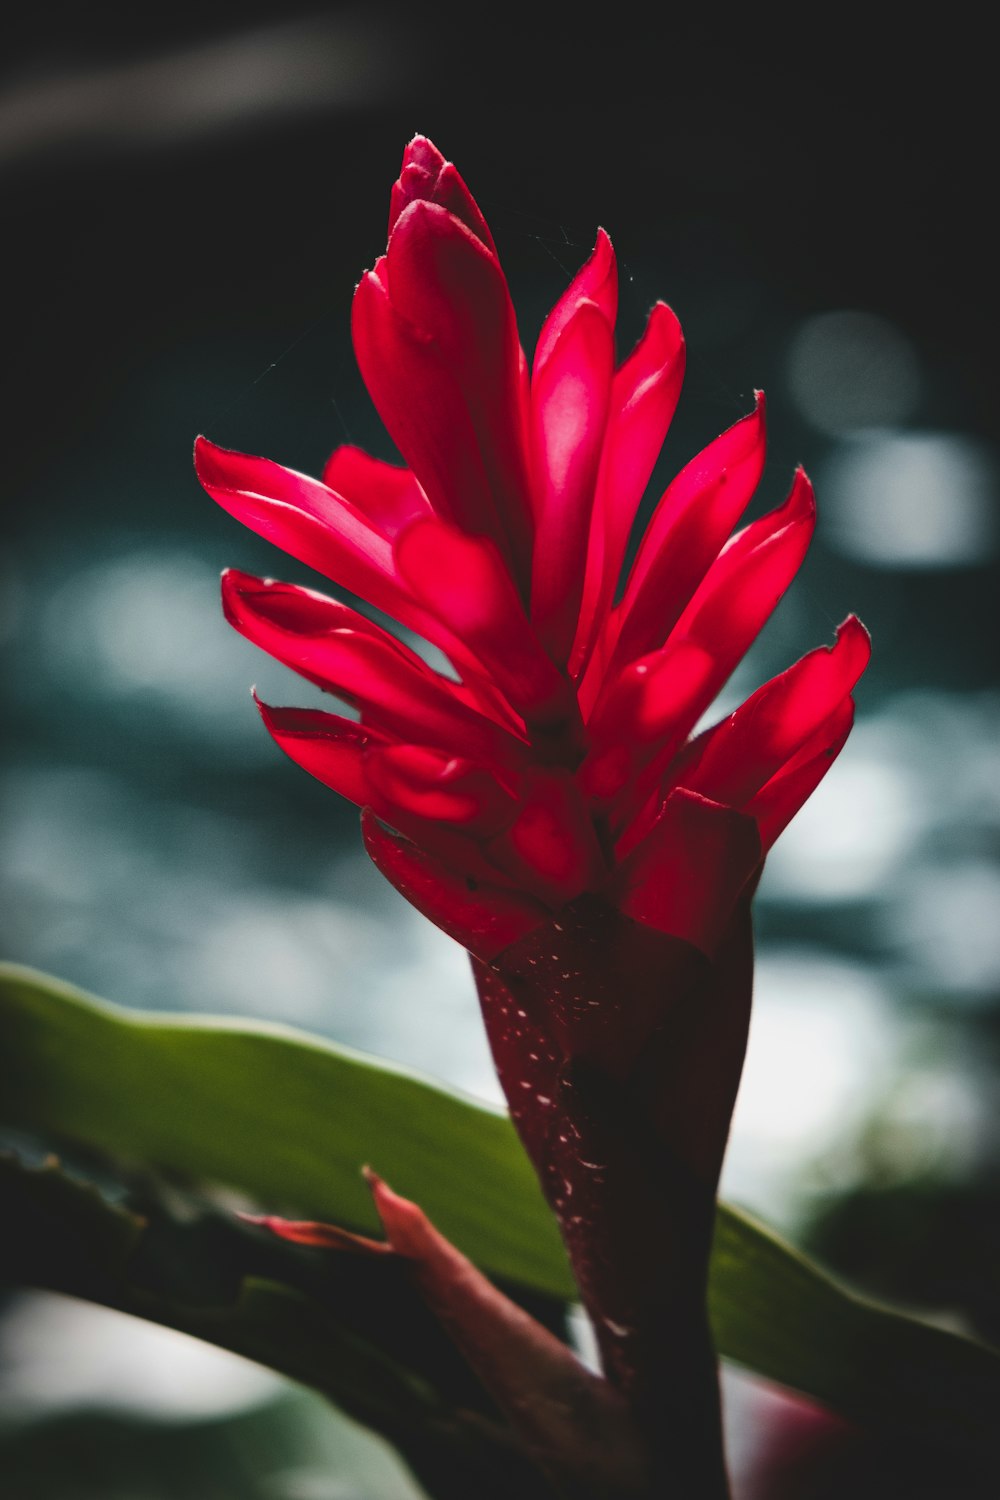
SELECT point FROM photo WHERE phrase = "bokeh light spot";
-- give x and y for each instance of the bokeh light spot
(911, 500)
(850, 370)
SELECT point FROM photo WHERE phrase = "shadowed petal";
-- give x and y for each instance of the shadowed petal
(688, 873)
(550, 848)
(467, 901)
(646, 711)
(430, 784)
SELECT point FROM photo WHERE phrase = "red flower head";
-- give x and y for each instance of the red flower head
(547, 805)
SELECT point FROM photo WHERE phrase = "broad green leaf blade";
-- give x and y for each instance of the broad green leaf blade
(289, 1120)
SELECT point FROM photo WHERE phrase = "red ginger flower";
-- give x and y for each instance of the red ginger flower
(560, 762)
(549, 808)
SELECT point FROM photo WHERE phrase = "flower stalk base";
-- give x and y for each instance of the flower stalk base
(619, 1050)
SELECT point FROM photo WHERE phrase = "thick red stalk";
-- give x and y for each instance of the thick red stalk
(619, 1049)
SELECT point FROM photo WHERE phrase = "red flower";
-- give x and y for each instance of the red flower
(560, 762)
(548, 805)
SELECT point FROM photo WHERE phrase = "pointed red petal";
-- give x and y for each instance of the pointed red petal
(693, 520)
(569, 407)
(346, 654)
(777, 802)
(327, 746)
(724, 617)
(303, 517)
(419, 397)
(426, 174)
(597, 282)
(327, 532)
(317, 1236)
(644, 395)
(337, 752)
(749, 577)
(733, 760)
(450, 289)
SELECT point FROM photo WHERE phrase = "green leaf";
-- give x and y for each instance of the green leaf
(289, 1120)
(783, 1317)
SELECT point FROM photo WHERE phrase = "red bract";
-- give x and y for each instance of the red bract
(547, 804)
(555, 764)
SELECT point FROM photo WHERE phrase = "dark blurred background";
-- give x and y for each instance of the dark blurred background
(188, 199)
